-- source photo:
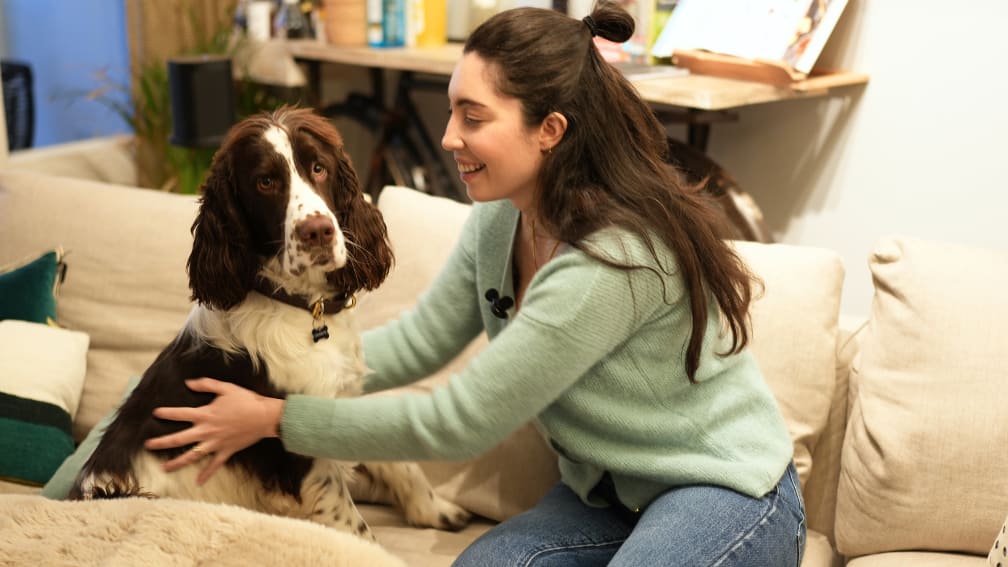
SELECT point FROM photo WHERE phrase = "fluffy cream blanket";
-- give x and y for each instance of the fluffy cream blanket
(164, 532)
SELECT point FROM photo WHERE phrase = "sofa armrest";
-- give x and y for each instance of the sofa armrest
(107, 159)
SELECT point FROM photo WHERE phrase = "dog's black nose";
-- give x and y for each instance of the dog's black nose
(316, 230)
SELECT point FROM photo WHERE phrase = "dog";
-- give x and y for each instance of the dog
(282, 242)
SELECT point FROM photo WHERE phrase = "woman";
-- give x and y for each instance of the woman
(617, 319)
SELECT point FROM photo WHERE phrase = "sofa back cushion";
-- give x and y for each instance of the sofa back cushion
(794, 338)
(126, 284)
(794, 335)
(921, 467)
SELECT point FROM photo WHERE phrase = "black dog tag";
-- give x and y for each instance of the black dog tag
(320, 333)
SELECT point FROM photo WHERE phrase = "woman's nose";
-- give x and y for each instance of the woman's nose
(450, 140)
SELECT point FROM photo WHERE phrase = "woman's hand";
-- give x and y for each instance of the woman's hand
(235, 419)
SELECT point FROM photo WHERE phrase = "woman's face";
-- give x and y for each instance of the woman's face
(498, 157)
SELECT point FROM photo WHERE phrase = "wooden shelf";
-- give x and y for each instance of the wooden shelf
(700, 89)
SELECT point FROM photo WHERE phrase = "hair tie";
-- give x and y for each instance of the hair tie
(590, 22)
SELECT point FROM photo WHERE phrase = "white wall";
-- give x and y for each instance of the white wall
(919, 151)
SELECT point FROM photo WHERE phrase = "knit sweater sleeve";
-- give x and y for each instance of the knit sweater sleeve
(423, 339)
(576, 311)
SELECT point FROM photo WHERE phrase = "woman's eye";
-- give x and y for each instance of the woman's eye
(265, 183)
(466, 119)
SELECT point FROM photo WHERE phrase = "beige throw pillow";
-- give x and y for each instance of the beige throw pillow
(918, 470)
(794, 335)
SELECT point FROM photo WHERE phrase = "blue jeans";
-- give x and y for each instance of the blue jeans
(691, 526)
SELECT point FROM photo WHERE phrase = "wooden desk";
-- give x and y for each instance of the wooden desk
(699, 92)
(694, 100)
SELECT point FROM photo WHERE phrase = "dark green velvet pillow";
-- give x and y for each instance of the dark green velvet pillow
(42, 370)
(28, 290)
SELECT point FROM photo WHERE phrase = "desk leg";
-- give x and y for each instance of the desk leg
(697, 135)
(313, 75)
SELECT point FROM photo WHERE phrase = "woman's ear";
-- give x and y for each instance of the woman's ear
(552, 130)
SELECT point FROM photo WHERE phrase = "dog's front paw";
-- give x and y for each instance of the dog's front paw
(437, 512)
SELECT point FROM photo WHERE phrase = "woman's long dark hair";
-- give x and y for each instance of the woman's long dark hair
(610, 169)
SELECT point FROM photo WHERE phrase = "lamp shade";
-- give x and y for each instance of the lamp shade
(202, 99)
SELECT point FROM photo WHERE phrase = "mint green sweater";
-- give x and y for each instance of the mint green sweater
(594, 357)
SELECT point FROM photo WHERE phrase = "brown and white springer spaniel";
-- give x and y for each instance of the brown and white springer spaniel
(282, 242)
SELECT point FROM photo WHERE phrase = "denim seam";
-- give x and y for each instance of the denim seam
(764, 519)
(532, 557)
(799, 552)
(797, 489)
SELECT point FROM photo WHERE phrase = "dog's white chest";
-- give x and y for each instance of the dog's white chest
(281, 337)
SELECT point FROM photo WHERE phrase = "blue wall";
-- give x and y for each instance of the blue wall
(69, 43)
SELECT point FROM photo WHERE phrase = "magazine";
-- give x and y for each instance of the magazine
(790, 31)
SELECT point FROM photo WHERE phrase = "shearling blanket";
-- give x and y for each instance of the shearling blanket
(164, 532)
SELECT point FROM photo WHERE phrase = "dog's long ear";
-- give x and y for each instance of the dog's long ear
(223, 263)
(369, 253)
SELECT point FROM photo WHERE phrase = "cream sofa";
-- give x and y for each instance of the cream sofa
(896, 421)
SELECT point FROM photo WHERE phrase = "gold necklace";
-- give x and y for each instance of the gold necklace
(535, 259)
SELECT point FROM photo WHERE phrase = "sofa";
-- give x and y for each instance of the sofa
(895, 419)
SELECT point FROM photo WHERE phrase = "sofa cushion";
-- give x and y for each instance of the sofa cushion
(28, 289)
(41, 376)
(794, 335)
(420, 547)
(127, 288)
(511, 477)
(919, 559)
(918, 469)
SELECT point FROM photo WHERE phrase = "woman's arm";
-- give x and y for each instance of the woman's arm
(576, 312)
(445, 319)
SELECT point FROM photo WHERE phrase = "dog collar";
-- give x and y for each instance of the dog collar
(317, 308)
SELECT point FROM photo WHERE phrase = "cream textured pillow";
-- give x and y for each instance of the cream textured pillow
(41, 377)
(918, 470)
(511, 477)
(794, 335)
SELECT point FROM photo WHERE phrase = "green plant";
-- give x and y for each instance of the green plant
(160, 164)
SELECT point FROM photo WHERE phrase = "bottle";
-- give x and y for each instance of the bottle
(257, 20)
(432, 22)
(291, 22)
(240, 20)
(480, 11)
(393, 23)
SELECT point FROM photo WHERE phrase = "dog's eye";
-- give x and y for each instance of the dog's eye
(319, 171)
(265, 183)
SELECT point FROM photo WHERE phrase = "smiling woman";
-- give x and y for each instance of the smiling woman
(498, 156)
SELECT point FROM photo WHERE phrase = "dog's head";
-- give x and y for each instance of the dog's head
(282, 201)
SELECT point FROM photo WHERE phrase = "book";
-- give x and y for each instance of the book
(644, 71)
(792, 32)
